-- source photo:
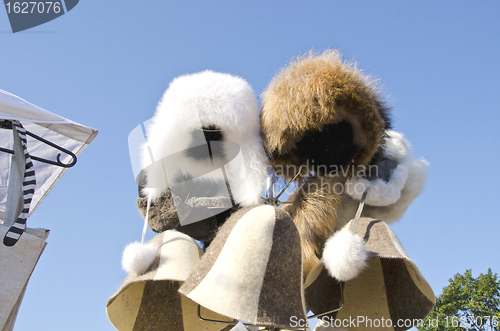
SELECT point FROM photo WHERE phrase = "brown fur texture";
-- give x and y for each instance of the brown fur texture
(318, 212)
(321, 112)
(316, 91)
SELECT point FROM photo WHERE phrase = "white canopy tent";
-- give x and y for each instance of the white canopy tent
(18, 261)
(56, 129)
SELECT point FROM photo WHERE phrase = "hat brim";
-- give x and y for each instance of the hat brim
(391, 287)
(151, 301)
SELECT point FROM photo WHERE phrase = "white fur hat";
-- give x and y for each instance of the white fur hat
(207, 100)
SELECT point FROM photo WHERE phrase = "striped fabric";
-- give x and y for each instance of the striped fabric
(29, 183)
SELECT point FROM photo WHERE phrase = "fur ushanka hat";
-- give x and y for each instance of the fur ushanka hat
(322, 111)
(322, 118)
(205, 131)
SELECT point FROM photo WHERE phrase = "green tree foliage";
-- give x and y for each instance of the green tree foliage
(467, 303)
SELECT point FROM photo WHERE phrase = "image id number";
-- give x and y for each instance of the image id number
(31, 7)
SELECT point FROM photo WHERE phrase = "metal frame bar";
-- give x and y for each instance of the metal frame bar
(266, 327)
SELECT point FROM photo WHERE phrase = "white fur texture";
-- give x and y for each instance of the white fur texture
(417, 174)
(137, 257)
(396, 147)
(204, 99)
(405, 184)
(345, 255)
(380, 192)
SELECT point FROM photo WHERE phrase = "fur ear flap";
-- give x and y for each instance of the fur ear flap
(138, 257)
(345, 255)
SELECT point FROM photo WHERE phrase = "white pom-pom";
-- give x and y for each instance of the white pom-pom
(345, 255)
(138, 257)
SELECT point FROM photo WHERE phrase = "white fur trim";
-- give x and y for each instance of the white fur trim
(396, 147)
(345, 255)
(409, 176)
(203, 99)
(417, 174)
(380, 192)
(137, 257)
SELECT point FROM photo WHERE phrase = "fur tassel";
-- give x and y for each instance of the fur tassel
(345, 255)
(138, 257)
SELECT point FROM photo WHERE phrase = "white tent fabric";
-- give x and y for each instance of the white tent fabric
(56, 129)
(16, 265)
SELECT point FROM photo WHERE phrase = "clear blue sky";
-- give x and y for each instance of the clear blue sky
(105, 64)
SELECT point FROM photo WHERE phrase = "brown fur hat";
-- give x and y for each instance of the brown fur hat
(318, 104)
(322, 113)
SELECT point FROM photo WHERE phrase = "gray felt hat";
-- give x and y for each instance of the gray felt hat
(252, 271)
(389, 288)
(150, 301)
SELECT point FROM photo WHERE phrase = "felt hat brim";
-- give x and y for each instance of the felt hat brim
(151, 301)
